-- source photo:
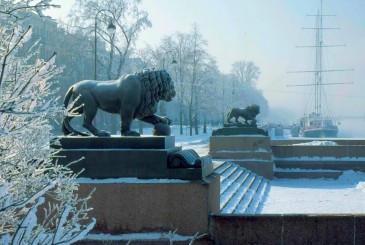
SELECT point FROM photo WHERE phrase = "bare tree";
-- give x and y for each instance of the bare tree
(29, 178)
(91, 15)
(199, 69)
(192, 71)
(246, 73)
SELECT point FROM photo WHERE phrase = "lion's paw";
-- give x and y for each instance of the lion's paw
(103, 133)
(165, 120)
(130, 133)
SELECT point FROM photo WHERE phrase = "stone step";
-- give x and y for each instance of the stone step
(148, 238)
(239, 174)
(307, 174)
(234, 195)
(315, 163)
(227, 173)
(248, 155)
(335, 151)
(258, 197)
(239, 142)
(222, 167)
(241, 189)
(260, 167)
(339, 141)
(249, 195)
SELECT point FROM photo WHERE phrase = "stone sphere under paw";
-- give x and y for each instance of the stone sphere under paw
(161, 129)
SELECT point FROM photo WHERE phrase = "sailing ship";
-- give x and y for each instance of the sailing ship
(320, 123)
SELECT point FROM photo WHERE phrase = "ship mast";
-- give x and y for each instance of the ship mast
(318, 64)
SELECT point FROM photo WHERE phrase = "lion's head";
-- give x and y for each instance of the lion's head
(157, 85)
(253, 110)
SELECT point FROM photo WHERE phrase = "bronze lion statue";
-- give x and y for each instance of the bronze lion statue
(134, 96)
(248, 113)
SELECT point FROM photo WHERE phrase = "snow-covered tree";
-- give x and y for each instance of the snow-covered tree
(246, 73)
(38, 204)
(129, 19)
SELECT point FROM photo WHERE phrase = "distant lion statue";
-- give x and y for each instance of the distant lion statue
(134, 96)
(248, 113)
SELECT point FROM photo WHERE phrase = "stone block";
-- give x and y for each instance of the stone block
(228, 129)
(116, 142)
(339, 141)
(152, 206)
(356, 165)
(318, 229)
(242, 155)
(120, 163)
(119, 157)
(246, 229)
(250, 151)
(335, 151)
(239, 143)
(359, 229)
(263, 168)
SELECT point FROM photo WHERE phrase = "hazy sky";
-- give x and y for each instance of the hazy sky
(267, 33)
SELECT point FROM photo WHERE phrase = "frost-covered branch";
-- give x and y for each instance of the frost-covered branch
(16, 9)
(34, 190)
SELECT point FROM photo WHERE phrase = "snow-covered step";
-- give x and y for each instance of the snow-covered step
(222, 167)
(235, 177)
(235, 193)
(329, 155)
(296, 173)
(323, 151)
(356, 164)
(258, 197)
(249, 195)
(261, 155)
(226, 174)
(241, 189)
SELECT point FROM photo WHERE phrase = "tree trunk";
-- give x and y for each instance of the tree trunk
(196, 124)
(181, 120)
(190, 121)
(111, 57)
(205, 125)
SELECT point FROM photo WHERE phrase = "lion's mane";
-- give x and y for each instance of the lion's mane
(156, 85)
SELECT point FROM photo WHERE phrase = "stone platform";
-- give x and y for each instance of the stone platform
(134, 206)
(249, 151)
(135, 188)
(120, 157)
(232, 129)
(288, 229)
(295, 160)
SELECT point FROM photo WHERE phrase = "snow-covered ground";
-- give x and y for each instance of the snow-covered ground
(344, 195)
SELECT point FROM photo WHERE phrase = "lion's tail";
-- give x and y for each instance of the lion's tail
(67, 129)
(68, 96)
(66, 126)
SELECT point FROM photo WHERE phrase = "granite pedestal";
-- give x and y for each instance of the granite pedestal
(135, 190)
(250, 151)
(120, 157)
(238, 129)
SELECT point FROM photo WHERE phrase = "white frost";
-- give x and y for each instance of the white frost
(318, 143)
(138, 236)
(128, 180)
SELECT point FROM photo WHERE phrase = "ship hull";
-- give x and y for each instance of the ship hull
(320, 133)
